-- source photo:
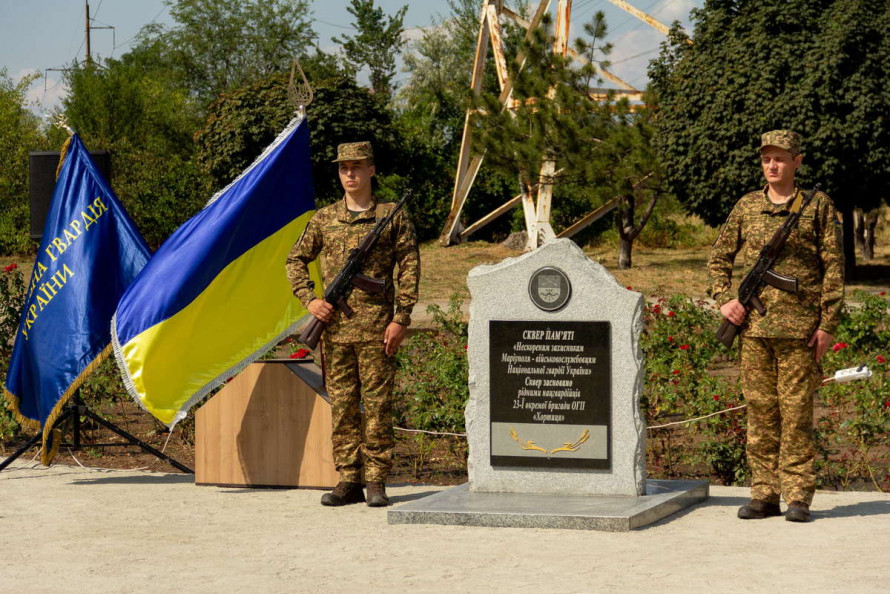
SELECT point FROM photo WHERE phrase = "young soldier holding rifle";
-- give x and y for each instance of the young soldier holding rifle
(788, 313)
(361, 331)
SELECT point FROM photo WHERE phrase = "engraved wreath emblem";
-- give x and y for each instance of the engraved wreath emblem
(565, 447)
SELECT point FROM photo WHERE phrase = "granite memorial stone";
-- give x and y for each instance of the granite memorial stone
(555, 377)
(553, 422)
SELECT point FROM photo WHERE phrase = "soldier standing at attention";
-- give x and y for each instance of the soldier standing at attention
(780, 351)
(359, 352)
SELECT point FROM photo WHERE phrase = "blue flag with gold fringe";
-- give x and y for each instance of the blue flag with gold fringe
(89, 254)
(215, 295)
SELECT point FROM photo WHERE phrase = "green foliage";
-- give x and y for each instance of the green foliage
(21, 134)
(431, 385)
(243, 122)
(815, 66)
(601, 148)
(217, 45)
(12, 299)
(135, 109)
(852, 419)
(376, 45)
(131, 101)
(681, 351)
(852, 432)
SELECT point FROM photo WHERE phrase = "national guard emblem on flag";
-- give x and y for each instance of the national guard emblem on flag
(549, 288)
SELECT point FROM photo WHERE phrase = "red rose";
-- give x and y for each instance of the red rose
(881, 359)
(887, 404)
(675, 382)
(656, 310)
(676, 371)
(684, 347)
(11, 267)
(465, 347)
(716, 398)
(629, 288)
(670, 339)
(838, 346)
(882, 293)
(301, 354)
(670, 314)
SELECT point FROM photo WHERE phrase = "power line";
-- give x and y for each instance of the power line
(152, 22)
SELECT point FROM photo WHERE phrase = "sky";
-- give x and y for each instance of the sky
(37, 36)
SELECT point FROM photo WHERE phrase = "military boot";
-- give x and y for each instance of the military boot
(757, 510)
(343, 494)
(377, 494)
(798, 511)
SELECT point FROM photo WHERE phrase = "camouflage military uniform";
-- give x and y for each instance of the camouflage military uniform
(778, 370)
(357, 367)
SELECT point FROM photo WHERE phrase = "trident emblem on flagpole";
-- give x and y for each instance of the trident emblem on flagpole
(301, 95)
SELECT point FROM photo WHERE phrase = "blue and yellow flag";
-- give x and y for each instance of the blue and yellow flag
(89, 254)
(215, 295)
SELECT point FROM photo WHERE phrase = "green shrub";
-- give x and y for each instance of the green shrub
(680, 352)
(431, 385)
(12, 299)
(852, 430)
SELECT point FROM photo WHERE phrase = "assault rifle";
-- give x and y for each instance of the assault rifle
(350, 276)
(762, 274)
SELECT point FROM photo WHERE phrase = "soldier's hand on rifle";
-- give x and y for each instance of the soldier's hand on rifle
(321, 309)
(734, 311)
(821, 340)
(393, 337)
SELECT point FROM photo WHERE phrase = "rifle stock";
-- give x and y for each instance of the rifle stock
(726, 333)
(312, 332)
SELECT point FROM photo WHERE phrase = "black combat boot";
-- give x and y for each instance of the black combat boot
(343, 494)
(798, 511)
(757, 510)
(377, 494)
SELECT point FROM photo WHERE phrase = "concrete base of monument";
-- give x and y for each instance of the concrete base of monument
(458, 506)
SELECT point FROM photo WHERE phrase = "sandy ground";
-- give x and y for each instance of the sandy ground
(69, 529)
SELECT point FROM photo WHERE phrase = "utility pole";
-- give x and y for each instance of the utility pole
(87, 28)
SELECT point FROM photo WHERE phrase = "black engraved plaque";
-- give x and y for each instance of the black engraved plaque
(551, 395)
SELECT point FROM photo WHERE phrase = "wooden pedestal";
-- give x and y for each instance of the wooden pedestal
(269, 427)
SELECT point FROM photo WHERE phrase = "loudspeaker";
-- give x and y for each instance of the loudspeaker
(43, 166)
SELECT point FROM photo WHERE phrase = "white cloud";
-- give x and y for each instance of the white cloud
(43, 93)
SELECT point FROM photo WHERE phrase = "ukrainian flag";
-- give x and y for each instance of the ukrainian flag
(89, 254)
(215, 296)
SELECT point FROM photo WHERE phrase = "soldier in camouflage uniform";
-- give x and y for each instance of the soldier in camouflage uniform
(780, 351)
(359, 351)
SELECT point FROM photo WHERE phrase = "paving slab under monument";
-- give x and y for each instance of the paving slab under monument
(459, 506)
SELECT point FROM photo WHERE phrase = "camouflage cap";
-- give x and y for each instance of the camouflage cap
(784, 139)
(354, 151)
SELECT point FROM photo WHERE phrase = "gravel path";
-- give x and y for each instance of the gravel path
(69, 529)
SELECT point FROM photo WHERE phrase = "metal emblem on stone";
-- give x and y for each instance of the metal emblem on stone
(550, 288)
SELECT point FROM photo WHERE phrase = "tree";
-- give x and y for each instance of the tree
(244, 121)
(135, 108)
(819, 67)
(224, 44)
(431, 109)
(21, 133)
(376, 44)
(599, 145)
